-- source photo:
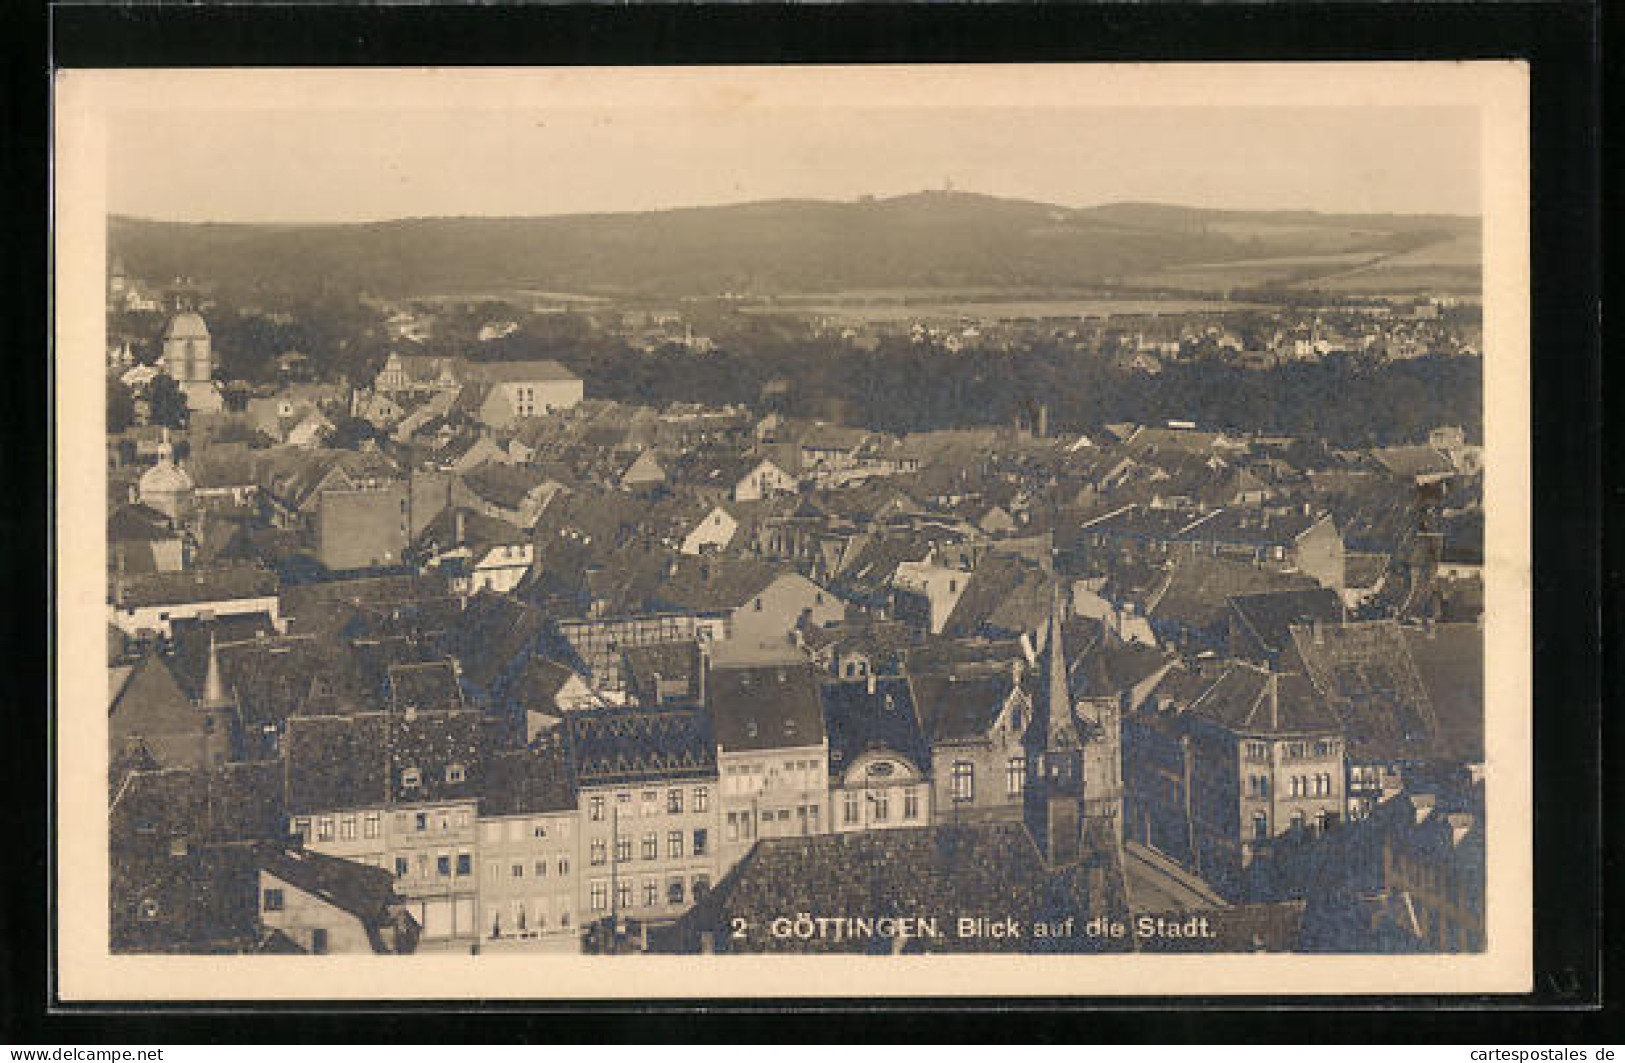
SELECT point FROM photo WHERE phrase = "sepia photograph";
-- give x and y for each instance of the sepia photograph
(804, 531)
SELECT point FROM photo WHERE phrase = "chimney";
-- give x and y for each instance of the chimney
(461, 523)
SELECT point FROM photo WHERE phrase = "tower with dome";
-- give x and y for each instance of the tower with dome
(188, 359)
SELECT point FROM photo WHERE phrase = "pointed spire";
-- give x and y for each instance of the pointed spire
(214, 688)
(1055, 672)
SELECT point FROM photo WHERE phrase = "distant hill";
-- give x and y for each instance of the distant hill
(930, 240)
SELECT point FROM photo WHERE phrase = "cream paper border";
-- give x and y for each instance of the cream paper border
(85, 100)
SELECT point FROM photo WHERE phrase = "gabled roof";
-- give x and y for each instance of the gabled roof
(1194, 593)
(359, 889)
(769, 707)
(955, 707)
(716, 583)
(860, 719)
(135, 522)
(1250, 701)
(494, 631)
(539, 371)
(1267, 618)
(1004, 593)
(504, 485)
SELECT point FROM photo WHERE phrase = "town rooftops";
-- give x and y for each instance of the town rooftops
(376, 759)
(711, 584)
(1267, 618)
(504, 485)
(620, 746)
(363, 891)
(988, 871)
(1193, 594)
(224, 583)
(769, 707)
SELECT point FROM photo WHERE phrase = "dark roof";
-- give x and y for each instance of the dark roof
(860, 719)
(712, 584)
(358, 761)
(493, 632)
(504, 485)
(1367, 672)
(1195, 591)
(1109, 666)
(194, 585)
(764, 707)
(522, 781)
(515, 372)
(990, 871)
(1004, 594)
(953, 707)
(364, 891)
(1267, 618)
(135, 522)
(232, 803)
(617, 746)
(457, 526)
(1251, 701)
(668, 661)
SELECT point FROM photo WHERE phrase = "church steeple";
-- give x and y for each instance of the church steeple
(1053, 798)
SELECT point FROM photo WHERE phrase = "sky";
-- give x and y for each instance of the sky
(302, 165)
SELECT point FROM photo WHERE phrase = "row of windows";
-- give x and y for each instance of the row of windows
(1311, 785)
(879, 802)
(700, 802)
(741, 826)
(516, 869)
(445, 865)
(539, 829)
(962, 780)
(599, 851)
(677, 892)
(523, 918)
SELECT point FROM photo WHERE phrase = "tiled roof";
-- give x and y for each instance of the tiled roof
(503, 485)
(1004, 594)
(990, 871)
(1450, 661)
(614, 746)
(667, 661)
(493, 632)
(1194, 592)
(194, 585)
(711, 584)
(769, 707)
(135, 522)
(426, 685)
(1267, 618)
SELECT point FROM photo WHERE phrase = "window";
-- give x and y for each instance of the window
(651, 893)
(454, 773)
(595, 809)
(964, 781)
(400, 867)
(600, 896)
(411, 778)
(758, 605)
(674, 801)
(674, 891)
(517, 870)
(651, 845)
(442, 865)
(347, 828)
(701, 841)
(812, 819)
(273, 900)
(1297, 820)
(1261, 826)
(700, 887)
(465, 864)
(651, 801)
(318, 940)
(493, 872)
(702, 799)
(882, 800)
(911, 804)
(623, 895)
(422, 821)
(324, 828)
(371, 825)
(623, 850)
(849, 809)
(600, 852)
(733, 826)
(301, 827)
(564, 865)
(1015, 776)
(674, 843)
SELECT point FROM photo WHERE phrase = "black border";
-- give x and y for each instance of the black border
(1561, 42)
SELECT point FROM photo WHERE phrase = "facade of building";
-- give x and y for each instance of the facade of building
(772, 755)
(529, 852)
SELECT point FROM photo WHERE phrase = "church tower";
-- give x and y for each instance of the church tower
(1053, 797)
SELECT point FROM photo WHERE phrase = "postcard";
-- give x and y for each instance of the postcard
(753, 532)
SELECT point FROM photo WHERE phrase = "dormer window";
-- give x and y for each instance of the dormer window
(411, 778)
(455, 773)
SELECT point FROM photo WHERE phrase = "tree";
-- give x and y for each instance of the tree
(168, 402)
(120, 406)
